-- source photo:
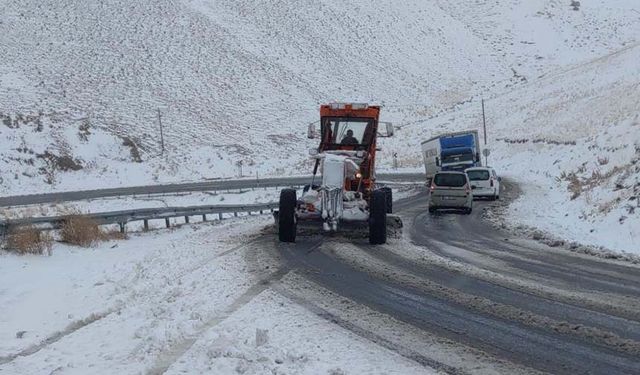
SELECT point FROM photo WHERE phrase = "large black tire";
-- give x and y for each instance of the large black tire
(389, 200)
(287, 216)
(432, 210)
(378, 218)
(468, 211)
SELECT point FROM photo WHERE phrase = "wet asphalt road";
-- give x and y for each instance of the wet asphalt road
(546, 309)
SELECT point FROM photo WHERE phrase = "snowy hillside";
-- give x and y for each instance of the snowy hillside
(236, 81)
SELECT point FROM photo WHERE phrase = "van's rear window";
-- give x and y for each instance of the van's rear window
(450, 179)
(478, 175)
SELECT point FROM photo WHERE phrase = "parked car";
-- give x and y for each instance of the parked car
(450, 190)
(485, 183)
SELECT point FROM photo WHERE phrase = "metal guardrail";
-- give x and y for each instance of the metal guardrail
(126, 216)
(145, 214)
(216, 185)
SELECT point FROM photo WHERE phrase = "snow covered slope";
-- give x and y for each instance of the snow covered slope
(236, 81)
(571, 139)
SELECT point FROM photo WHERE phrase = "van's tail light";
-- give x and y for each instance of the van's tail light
(467, 189)
(491, 182)
(432, 188)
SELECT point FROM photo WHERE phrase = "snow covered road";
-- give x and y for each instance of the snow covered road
(454, 295)
(503, 300)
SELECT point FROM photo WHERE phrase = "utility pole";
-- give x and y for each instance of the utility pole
(239, 164)
(161, 133)
(484, 126)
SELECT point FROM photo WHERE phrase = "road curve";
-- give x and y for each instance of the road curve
(456, 277)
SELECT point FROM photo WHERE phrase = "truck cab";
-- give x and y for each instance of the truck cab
(352, 129)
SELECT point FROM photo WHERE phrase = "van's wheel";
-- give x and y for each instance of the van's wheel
(378, 218)
(468, 211)
(389, 200)
(287, 216)
(432, 210)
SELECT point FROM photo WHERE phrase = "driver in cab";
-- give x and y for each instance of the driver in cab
(349, 139)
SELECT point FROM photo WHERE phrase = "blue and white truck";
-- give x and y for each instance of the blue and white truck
(451, 152)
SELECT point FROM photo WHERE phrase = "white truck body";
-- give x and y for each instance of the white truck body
(431, 156)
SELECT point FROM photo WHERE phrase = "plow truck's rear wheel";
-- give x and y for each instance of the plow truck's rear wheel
(378, 218)
(287, 216)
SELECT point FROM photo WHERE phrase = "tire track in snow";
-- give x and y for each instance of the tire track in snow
(169, 357)
(96, 317)
(71, 328)
(369, 335)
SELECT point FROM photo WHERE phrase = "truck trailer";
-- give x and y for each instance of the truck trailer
(451, 152)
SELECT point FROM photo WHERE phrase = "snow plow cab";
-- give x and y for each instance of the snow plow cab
(345, 196)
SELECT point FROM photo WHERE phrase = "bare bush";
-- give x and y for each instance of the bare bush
(575, 185)
(113, 234)
(80, 230)
(603, 160)
(28, 240)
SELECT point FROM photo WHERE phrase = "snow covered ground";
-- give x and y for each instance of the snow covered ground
(186, 299)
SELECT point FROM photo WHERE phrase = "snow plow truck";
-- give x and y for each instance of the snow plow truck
(345, 197)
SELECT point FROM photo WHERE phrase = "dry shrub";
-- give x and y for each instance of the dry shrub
(113, 234)
(28, 240)
(575, 185)
(80, 230)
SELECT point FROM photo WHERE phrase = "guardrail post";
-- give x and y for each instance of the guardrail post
(220, 216)
(204, 217)
(186, 219)
(146, 225)
(123, 227)
(167, 222)
(235, 214)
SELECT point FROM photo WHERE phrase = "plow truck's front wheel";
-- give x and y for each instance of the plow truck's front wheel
(378, 218)
(389, 194)
(287, 216)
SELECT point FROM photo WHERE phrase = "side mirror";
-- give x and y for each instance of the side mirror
(499, 179)
(311, 132)
(388, 129)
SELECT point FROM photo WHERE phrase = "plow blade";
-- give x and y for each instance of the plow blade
(352, 229)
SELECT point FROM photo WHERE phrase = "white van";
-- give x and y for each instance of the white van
(485, 183)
